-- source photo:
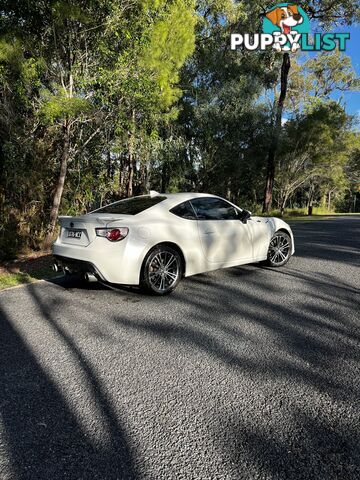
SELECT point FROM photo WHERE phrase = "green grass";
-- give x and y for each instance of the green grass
(25, 271)
(13, 279)
(302, 214)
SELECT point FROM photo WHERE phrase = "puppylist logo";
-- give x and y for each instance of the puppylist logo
(286, 27)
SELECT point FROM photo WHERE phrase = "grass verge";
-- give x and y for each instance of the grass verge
(13, 279)
(25, 270)
(315, 218)
(300, 214)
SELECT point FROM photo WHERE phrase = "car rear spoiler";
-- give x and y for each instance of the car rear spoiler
(104, 220)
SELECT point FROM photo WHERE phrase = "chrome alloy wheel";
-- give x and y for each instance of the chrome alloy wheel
(164, 271)
(279, 249)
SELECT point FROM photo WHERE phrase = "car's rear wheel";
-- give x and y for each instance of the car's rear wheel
(162, 270)
(279, 251)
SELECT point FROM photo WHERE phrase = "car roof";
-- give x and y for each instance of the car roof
(173, 199)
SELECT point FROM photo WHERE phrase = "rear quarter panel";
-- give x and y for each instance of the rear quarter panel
(181, 232)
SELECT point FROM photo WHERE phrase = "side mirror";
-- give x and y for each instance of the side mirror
(244, 216)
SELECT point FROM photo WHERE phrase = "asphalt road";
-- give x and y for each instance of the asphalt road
(245, 373)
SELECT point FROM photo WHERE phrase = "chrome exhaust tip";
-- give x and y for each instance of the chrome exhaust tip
(90, 278)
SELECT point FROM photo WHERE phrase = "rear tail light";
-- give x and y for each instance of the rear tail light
(112, 234)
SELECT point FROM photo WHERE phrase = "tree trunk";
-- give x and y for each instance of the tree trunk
(165, 178)
(283, 205)
(329, 201)
(254, 193)
(310, 203)
(59, 187)
(122, 176)
(130, 187)
(2, 159)
(110, 173)
(270, 174)
(144, 176)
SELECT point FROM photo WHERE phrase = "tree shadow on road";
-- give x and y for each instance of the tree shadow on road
(336, 241)
(297, 354)
(314, 343)
(43, 436)
(301, 446)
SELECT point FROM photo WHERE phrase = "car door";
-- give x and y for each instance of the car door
(261, 236)
(224, 238)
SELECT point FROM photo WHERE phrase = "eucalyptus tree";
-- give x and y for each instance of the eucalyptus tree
(314, 153)
(221, 116)
(327, 13)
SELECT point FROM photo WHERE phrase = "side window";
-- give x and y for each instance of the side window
(213, 209)
(184, 210)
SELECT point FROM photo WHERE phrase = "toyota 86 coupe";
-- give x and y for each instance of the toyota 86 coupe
(152, 241)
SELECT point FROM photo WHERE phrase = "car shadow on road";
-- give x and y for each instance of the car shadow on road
(76, 282)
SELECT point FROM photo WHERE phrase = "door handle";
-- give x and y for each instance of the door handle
(208, 233)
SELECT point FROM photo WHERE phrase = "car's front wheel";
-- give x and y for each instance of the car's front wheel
(279, 251)
(162, 270)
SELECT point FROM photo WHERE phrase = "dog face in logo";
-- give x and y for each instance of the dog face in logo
(286, 18)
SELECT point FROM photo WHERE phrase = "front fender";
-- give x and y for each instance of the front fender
(277, 224)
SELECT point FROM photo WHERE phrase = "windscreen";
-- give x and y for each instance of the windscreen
(131, 206)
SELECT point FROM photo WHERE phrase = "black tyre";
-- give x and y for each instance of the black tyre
(280, 249)
(162, 270)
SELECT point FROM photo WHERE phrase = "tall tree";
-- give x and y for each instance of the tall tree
(314, 150)
(326, 13)
(270, 173)
(109, 68)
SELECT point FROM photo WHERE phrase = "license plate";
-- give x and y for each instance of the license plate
(74, 233)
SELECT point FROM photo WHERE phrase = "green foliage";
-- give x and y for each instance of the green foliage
(315, 148)
(328, 12)
(60, 107)
(140, 95)
(151, 5)
(10, 53)
(14, 279)
(63, 11)
(171, 41)
(330, 71)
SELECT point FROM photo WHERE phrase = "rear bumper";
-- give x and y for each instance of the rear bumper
(118, 262)
(78, 266)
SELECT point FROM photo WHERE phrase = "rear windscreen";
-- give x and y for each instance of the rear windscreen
(131, 206)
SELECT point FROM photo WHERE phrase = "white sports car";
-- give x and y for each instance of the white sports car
(155, 240)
